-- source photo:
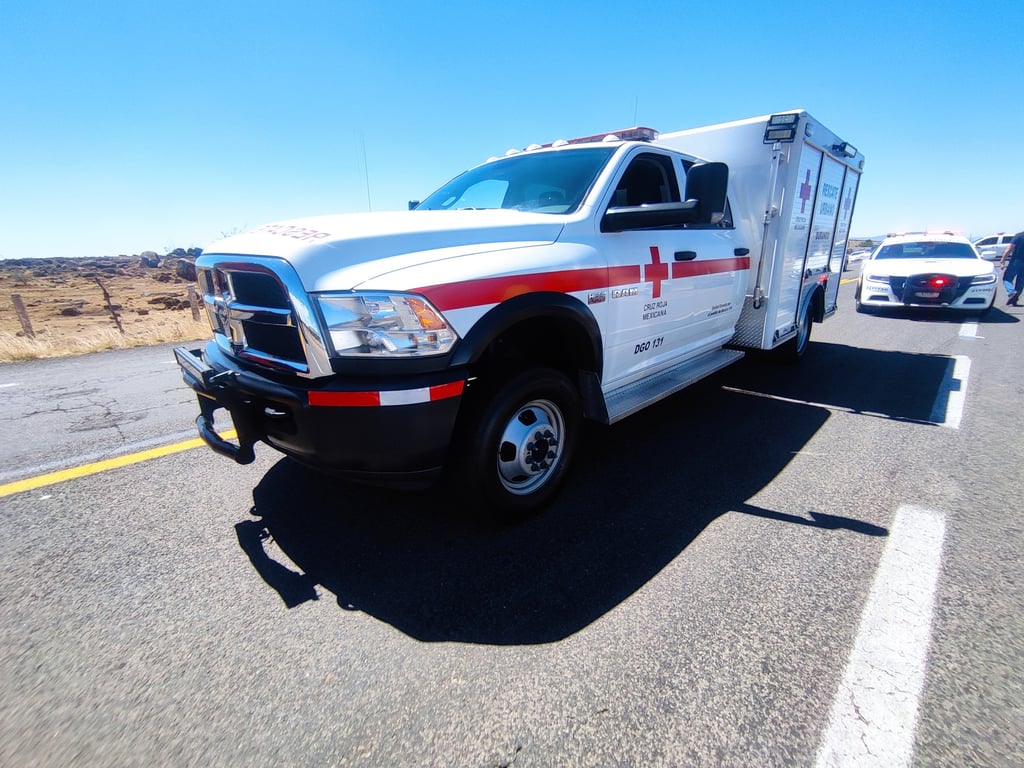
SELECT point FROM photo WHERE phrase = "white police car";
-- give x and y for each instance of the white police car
(927, 270)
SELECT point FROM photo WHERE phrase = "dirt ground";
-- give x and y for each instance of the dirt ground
(65, 304)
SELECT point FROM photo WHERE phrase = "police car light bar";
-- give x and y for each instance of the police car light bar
(926, 232)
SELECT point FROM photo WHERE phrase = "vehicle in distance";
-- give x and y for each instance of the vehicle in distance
(926, 270)
(992, 247)
(855, 258)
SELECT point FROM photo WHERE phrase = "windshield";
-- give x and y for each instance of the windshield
(544, 182)
(927, 249)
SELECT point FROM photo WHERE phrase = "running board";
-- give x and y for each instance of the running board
(631, 398)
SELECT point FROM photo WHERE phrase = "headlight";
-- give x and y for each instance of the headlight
(877, 278)
(384, 325)
(984, 279)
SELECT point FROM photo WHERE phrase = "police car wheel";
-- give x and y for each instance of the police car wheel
(861, 306)
(521, 441)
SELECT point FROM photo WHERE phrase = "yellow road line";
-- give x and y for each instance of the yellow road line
(31, 483)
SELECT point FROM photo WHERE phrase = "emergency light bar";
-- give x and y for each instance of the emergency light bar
(636, 133)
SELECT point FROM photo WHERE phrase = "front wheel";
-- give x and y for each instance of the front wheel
(518, 440)
(861, 306)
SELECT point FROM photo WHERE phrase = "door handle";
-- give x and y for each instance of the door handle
(686, 255)
(741, 251)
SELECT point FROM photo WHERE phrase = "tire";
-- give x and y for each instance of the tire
(794, 349)
(860, 305)
(517, 440)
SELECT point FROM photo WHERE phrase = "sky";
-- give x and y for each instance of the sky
(134, 126)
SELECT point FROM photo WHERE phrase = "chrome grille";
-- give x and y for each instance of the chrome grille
(260, 314)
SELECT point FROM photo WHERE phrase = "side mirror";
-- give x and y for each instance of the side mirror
(708, 183)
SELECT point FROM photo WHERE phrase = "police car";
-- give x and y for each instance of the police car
(926, 270)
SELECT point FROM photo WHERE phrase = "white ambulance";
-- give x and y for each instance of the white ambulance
(470, 336)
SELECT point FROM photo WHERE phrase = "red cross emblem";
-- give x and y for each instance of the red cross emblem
(655, 272)
(805, 192)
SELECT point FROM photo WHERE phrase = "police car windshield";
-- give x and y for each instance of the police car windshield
(543, 182)
(926, 249)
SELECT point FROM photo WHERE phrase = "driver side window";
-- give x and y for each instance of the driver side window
(649, 178)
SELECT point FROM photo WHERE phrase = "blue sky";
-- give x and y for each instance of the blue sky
(127, 127)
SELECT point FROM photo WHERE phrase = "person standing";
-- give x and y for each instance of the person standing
(1015, 274)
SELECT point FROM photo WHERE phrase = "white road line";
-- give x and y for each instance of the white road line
(948, 409)
(874, 715)
(969, 330)
(10, 384)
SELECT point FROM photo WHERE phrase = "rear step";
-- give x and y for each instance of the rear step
(631, 398)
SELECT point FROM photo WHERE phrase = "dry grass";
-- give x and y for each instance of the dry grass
(16, 346)
(69, 315)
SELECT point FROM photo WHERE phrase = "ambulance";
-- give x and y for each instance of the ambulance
(468, 338)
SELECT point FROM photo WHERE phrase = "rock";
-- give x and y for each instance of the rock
(186, 270)
(71, 311)
(169, 302)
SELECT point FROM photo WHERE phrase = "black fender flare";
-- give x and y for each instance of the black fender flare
(526, 307)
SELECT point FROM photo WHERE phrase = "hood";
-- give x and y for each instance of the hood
(342, 251)
(907, 267)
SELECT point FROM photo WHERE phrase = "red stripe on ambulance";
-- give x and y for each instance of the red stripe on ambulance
(713, 267)
(494, 290)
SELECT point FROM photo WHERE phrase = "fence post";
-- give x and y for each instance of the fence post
(110, 306)
(193, 300)
(19, 307)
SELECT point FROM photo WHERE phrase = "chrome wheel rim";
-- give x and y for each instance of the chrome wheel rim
(530, 447)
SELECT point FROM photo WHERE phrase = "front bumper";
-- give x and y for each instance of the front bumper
(398, 435)
(914, 291)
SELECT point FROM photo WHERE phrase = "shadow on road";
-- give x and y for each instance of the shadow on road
(901, 386)
(640, 493)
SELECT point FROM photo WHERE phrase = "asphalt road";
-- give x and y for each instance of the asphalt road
(782, 566)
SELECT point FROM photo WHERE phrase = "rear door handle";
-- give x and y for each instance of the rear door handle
(686, 255)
